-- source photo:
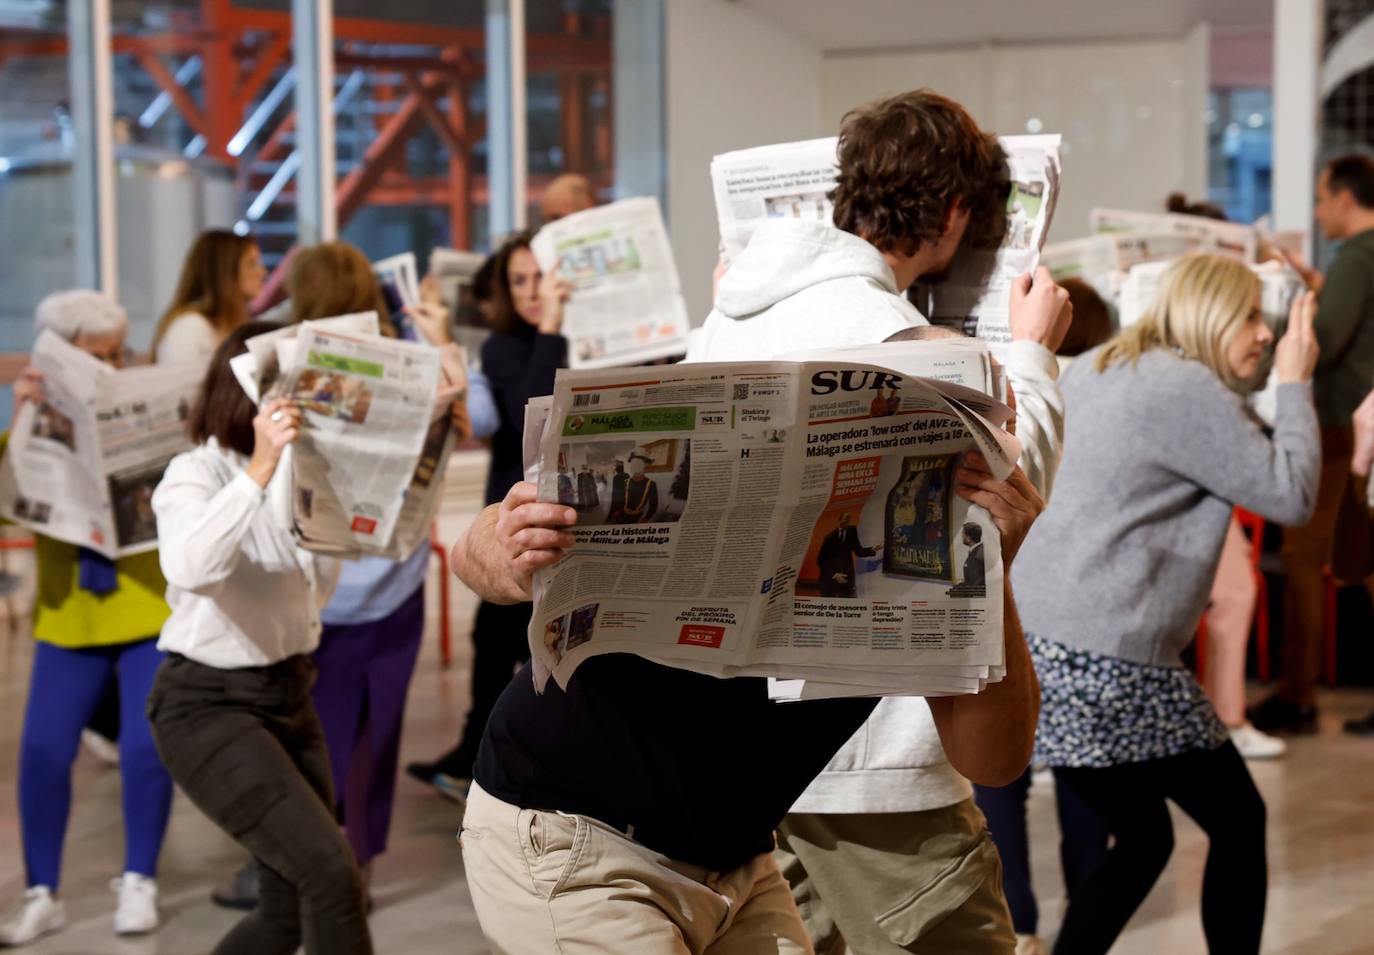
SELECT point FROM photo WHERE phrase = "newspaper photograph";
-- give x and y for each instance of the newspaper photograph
(781, 181)
(626, 306)
(795, 520)
(976, 294)
(82, 465)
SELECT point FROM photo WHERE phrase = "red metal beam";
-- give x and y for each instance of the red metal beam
(381, 152)
(169, 85)
(459, 178)
(271, 56)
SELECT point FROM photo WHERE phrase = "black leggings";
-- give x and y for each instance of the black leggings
(1215, 789)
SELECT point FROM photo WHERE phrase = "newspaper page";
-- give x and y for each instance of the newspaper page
(782, 181)
(82, 466)
(1104, 259)
(781, 519)
(976, 295)
(370, 452)
(626, 306)
(257, 369)
(1208, 235)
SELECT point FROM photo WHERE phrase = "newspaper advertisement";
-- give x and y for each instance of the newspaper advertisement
(81, 466)
(1208, 235)
(626, 305)
(795, 520)
(976, 294)
(366, 470)
(781, 181)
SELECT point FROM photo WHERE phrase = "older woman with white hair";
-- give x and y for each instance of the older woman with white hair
(96, 621)
(1113, 577)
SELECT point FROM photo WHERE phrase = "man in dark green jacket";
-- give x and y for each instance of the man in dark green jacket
(1345, 373)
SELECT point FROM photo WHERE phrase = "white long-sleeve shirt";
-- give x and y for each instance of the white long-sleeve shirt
(242, 593)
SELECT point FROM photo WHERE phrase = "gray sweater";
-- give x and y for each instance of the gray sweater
(1155, 457)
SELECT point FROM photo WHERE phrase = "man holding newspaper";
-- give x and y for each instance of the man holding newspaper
(635, 782)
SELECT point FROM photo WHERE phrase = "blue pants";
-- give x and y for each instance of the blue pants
(65, 688)
(360, 696)
(1082, 843)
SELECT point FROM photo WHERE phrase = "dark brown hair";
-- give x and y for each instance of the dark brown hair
(905, 161)
(1178, 202)
(334, 278)
(1092, 323)
(503, 317)
(222, 411)
(1353, 173)
(209, 284)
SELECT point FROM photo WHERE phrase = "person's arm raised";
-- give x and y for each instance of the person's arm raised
(498, 554)
(988, 736)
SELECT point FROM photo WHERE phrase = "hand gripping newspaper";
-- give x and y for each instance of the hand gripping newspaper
(626, 305)
(975, 296)
(82, 465)
(368, 469)
(794, 520)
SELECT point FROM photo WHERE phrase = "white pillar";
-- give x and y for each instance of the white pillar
(92, 111)
(507, 149)
(1297, 65)
(312, 46)
(640, 128)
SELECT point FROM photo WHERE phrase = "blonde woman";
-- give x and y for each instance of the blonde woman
(222, 274)
(1114, 576)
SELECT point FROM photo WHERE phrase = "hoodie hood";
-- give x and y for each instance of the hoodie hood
(785, 256)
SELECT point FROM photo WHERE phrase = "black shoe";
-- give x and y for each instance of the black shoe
(422, 772)
(1275, 715)
(241, 889)
(1362, 727)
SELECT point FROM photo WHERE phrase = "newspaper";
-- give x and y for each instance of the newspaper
(976, 294)
(1104, 259)
(368, 469)
(794, 520)
(1208, 235)
(626, 307)
(82, 465)
(782, 181)
(400, 280)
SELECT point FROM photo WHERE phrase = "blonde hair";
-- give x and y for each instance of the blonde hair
(334, 278)
(1202, 303)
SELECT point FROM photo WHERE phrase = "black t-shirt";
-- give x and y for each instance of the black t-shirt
(698, 769)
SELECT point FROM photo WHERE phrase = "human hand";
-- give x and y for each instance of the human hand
(429, 290)
(554, 291)
(1014, 503)
(277, 424)
(1363, 459)
(431, 319)
(1310, 275)
(1040, 310)
(1295, 356)
(530, 533)
(28, 387)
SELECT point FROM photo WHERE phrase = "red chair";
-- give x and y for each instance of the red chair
(1330, 590)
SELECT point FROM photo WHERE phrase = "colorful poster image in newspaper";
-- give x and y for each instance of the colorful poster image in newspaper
(917, 521)
(623, 481)
(570, 631)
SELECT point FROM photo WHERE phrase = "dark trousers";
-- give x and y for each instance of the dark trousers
(1215, 789)
(499, 647)
(246, 747)
(1082, 843)
(360, 695)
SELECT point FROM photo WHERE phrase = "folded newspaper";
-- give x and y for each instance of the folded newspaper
(368, 468)
(794, 520)
(81, 466)
(626, 306)
(781, 181)
(1203, 233)
(975, 296)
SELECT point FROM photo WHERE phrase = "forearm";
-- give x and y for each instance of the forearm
(988, 736)
(479, 562)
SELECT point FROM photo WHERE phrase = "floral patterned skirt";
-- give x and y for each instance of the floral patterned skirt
(1098, 710)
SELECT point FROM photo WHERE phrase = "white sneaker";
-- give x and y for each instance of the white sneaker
(137, 909)
(37, 915)
(1252, 744)
(101, 748)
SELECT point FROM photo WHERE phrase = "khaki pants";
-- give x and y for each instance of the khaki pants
(548, 882)
(897, 883)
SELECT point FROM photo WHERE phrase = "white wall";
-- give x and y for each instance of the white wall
(735, 79)
(1131, 112)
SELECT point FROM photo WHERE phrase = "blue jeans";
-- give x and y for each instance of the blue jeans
(65, 688)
